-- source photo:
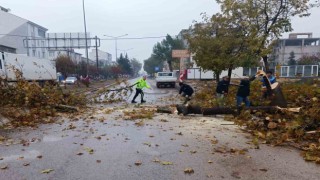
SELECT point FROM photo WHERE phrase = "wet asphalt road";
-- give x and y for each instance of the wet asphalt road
(212, 147)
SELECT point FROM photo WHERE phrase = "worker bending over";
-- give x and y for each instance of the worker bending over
(186, 91)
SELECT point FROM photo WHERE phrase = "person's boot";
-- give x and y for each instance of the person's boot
(143, 101)
(133, 101)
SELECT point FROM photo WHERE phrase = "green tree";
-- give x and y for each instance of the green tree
(264, 20)
(309, 60)
(163, 50)
(151, 63)
(220, 43)
(65, 65)
(136, 66)
(124, 64)
(292, 60)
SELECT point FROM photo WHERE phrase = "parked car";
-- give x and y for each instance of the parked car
(71, 80)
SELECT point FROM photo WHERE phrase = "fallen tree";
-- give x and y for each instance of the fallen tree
(193, 109)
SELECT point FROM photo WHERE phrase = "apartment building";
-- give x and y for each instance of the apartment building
(14, 32)
(104, 58)
(302, 44)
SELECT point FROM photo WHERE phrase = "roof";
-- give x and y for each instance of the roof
(23, 19)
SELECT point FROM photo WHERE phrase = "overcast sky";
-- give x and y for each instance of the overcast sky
(137, 18)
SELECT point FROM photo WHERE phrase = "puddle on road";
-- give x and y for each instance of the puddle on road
(51, 139)
(26, 155)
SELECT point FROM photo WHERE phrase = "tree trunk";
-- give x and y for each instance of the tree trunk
(170, 65)
(217, 74)
(185, 110)
(230, 71)
(266, 63)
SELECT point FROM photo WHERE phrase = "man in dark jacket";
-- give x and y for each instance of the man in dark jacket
(223, 86)
(244, 91)
(222, 90)
(186, 91)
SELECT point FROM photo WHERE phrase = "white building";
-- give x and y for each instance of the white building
(301, 46)
(13, 32)
(104, 58)
(75, 57)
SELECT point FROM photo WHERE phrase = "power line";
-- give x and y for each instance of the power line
(105, 39)
(133, 38)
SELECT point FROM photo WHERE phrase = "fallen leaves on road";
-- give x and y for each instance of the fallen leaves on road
(79, 153)
(263, 169)
(26, 164)
(188, 171)
(138, 163)
(89, 150)
(225, 150)
(3, 167)
(98, 161)
(166, 163)
(236, 175)
(156, 160)
(46, 171)
(139, 123)
(210, 162)
(147, 144)
(214, 141)
(139, 114)
(39, 157)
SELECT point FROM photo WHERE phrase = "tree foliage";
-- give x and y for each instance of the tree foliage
(162, 51)
(124, 64)
(292, 60)
(309, 60)
(65, 65)
(151, 63)
(264, 21)
(220, 43)
(136, 66)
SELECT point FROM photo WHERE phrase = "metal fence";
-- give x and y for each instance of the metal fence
(289, 71)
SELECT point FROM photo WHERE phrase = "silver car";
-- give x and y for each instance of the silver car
(71, 80)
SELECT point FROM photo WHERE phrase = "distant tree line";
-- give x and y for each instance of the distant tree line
(123, 66)
(304, 60)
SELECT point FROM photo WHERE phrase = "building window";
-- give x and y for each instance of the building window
(39, 54)
(51, 54)
(43, 55)
(41, 33)
(34, 53)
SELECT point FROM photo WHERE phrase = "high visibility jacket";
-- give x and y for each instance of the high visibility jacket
(141, 83)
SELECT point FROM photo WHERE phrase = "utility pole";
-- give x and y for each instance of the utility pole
(97, 56)
(86, 38)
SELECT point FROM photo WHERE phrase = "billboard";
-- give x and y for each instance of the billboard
(180, 54)
(55, 41)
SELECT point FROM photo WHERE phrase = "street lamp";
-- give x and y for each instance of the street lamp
(116, 39)
(85, 34)
(125, 50)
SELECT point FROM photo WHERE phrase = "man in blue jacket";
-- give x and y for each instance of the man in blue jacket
(272, 80)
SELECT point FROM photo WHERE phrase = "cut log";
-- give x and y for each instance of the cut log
(168, 110)
(182, 109)
(66, 108)
(277, 98)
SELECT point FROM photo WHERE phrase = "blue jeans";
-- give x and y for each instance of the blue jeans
(243, 99)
